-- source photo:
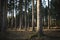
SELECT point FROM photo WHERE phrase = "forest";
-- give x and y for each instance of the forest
(29, 14)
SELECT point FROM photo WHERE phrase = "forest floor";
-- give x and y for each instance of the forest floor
(16, 35)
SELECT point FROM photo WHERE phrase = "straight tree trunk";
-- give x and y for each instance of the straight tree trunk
(25, 14)
(48, 16)
(20, 24)
(28, 13)
(38, 15)
(12, 12)
(32, 14)
(15, 16)
(50, 20)
(0, 15)
(4, 12)
(39, 18)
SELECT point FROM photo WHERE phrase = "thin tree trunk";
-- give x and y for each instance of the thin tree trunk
(25, 14)
(28, 14)
(50, 20)
(12, 12)
(0, 16)
(28, 20)
(20, 15)
(48, 16)
(32, 14)
(15, 15)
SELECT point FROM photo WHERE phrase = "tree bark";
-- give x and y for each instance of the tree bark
(38, 14)
(39, 18)
(0, 15)
(48, 16)
(32, 14)
(20, 24)
(4, 12)
(25, 14)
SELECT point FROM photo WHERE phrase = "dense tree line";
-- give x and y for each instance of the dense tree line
(22, 17)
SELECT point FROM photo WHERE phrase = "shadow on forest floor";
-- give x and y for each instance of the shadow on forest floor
(17, 35)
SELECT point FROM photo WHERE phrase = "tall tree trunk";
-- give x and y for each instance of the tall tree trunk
(28, 13)
(39, 18)
(38, 14)
(12, 12)
(25, 14)
(48, 16)
(4, 16)
(0, 15)
(20, 24)
(32, 14)
(15, 15)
